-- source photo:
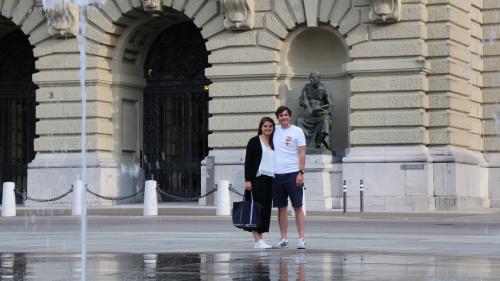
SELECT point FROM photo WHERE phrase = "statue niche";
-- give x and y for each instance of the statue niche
(63, 19)
(239, 14)
(317, 101)
(385, 11)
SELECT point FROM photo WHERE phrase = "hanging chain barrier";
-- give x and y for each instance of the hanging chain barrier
(187, 199)
(114, 198)
(235, 191)
(26, 197)
(118, 198)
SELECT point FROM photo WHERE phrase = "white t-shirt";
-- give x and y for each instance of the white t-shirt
(286, 143)
(266, 166)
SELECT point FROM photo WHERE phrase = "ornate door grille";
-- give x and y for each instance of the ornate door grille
(175, 134)
(176, 111)
(17, 110)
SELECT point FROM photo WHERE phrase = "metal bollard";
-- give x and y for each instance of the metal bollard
(76, 198)
(223, 199)
(8, 200)
(344, 195)
(361, 194)
(150, 199)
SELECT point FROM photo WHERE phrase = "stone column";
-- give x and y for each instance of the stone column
(57, 163)
(388, 135)
(244, 89)
(490, 101)
(455, 115)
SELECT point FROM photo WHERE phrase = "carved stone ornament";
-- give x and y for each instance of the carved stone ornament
(239, 14)
(385, 11)
(63, 18)
(151, 6)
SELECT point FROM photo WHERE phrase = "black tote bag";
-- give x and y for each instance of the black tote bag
(247, 214)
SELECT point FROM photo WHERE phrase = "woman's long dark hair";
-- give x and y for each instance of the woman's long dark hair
(259, 132)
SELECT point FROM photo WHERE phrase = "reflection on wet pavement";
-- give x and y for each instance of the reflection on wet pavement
(264, 265)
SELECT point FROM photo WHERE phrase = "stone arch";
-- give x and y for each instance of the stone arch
(28, 18)
(343, 16)
(23, 14)
(120, 35)
(123, 33)
(58, 97)
(118, 22)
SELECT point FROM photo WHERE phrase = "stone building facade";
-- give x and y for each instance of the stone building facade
(416, 85)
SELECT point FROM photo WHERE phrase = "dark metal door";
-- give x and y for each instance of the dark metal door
(176, 111)
(17, 109)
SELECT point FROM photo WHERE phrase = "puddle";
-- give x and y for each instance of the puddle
(256, 265)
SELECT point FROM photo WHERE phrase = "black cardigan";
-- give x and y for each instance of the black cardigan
(252, 158)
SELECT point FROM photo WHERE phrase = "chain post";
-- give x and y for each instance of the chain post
(344, 195)
(361, 195)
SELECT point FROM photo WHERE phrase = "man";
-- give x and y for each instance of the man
(289, 161)
(315, 122)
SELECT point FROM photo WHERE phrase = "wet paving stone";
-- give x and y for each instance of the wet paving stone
(253, 265)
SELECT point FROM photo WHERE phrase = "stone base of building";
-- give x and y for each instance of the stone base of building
(462, 182)
(394, 179)
(50, 175)
(491, 177)
(417, 184)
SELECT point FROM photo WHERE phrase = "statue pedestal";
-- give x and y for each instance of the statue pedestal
(318, 179)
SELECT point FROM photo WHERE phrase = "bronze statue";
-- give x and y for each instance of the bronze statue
(317, 101)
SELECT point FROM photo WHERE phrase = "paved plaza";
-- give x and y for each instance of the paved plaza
(409, 246)
(464, 236)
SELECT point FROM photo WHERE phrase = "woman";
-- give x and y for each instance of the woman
(259, 174)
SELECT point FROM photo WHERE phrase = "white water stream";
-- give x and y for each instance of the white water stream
(50, 5)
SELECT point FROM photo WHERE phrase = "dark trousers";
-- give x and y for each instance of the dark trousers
(262, 191)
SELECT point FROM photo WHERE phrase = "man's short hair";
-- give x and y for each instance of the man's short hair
(281, 109)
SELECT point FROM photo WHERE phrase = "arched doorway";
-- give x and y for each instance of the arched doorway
(175, 126)
(17, 106)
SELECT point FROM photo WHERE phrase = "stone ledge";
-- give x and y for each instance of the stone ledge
(386, 154)
(242, 71)
(386, 66)
(243, 88)
(72, 160)
(389, 136)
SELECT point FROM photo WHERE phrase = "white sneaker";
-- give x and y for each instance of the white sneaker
(283, 243)
(301, 244)
(261, 244)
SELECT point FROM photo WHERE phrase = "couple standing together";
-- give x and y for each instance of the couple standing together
(274, 172)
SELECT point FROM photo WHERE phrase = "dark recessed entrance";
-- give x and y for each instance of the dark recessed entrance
(17, 107)
(176, 111)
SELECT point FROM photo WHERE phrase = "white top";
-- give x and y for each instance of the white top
(286, 143)
(266, 166)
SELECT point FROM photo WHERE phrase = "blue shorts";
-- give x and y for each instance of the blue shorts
(285, 186)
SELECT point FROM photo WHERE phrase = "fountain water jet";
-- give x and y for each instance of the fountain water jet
(58, 6)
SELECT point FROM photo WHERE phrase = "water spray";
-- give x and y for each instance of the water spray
(58, 6)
